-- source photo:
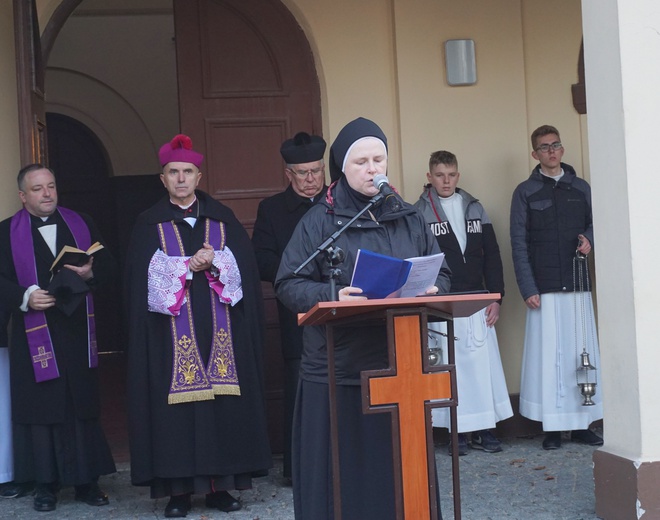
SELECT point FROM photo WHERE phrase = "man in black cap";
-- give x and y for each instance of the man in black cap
(277, 217)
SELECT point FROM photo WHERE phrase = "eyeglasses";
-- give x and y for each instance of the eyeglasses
(545, 148)
(315, 172)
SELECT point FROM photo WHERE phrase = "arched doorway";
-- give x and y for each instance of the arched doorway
(83, 171)
(83, 184)
(247, 81)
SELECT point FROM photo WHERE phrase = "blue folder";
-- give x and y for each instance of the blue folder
(379, 275)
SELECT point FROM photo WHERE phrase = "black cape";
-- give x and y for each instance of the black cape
(219, 437)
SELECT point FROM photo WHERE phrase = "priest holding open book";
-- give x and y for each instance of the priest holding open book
(58, 440)
(392, 228)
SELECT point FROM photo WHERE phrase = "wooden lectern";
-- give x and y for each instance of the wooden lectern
(404, 389)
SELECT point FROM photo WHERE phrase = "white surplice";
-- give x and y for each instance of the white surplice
(548, 390)
(6, 448)
(482, 393)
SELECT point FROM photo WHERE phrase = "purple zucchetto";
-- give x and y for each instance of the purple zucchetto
(179, 149)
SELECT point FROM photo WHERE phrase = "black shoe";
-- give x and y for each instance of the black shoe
(45, 497)
(485, 440)
(586, 437)
(91, 494)
(14, 490)
(462, 445)
(552, 441)
(178, 506)
(223, 501)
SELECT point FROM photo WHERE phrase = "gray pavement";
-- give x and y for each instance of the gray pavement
(522, 482)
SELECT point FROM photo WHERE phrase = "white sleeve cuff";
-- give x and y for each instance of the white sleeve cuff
(26, 297)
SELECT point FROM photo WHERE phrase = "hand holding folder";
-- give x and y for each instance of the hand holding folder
(382, 276)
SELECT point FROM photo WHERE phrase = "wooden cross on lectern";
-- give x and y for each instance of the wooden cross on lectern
(404, 389)
(407, 388)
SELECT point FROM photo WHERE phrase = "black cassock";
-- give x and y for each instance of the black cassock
(179, 448)
(277, 217)
(57, 434)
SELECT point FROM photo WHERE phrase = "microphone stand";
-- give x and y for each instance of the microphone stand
(335, 255)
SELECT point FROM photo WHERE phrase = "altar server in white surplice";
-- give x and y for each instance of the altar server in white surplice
(551, 236)
(466, 236)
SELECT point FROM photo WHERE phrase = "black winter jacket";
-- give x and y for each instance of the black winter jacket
(277, 217)
(546, 218)
(402, 234)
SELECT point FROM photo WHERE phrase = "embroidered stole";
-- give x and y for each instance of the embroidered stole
(39, 341)
(191, 380)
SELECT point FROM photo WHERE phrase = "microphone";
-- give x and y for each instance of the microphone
(382, 184)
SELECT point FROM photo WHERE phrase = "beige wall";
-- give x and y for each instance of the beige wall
(484, 125)
(9, 145)
(353, 45)
(45, 9)
(552, 35)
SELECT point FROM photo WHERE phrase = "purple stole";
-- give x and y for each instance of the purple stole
(39, 341)
(191, 380)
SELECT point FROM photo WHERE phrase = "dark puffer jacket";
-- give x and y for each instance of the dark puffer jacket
(400, 233)
(546, 219)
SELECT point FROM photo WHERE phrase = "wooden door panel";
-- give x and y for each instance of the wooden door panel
(229, 33)
(241, 176)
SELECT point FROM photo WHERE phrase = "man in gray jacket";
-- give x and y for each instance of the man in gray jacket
(465, 234)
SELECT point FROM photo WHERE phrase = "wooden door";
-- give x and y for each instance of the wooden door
(247, 82)
(30, 83)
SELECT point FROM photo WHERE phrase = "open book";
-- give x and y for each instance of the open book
(382, 276)
(73, 256)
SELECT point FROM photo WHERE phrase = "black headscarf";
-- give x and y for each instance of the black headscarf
(356, 129)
